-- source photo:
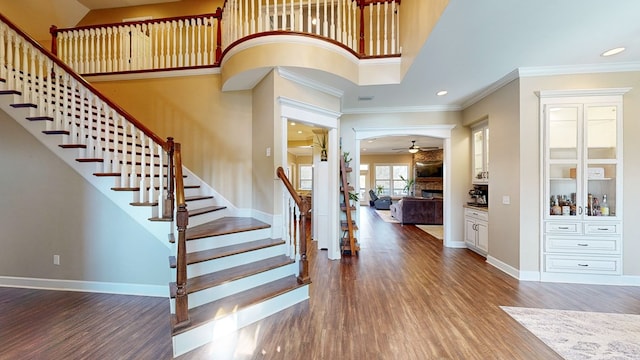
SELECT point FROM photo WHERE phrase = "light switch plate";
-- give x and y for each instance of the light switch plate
(506, 199)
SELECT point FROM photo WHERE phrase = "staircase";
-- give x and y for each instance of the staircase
(236, 271)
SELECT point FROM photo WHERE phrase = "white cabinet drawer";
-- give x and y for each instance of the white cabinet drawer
(583, 264)
(476, 214)
(603, 245)
(601, 228)
(562, 228)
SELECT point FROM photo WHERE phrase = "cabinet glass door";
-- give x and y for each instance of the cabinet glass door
(601, 158)
(563, 132)
(563, 190)
(564, 169)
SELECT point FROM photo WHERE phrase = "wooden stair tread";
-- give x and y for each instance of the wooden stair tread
(205, 210)
(225, 225)
(224, 276)
(217, 253)
(198, 197)
(203, 314)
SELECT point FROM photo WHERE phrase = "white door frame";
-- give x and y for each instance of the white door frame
(316, 116)
(437, 131)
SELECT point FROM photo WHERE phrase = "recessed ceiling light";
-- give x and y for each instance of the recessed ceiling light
(292, 123)
(299, 131)
(612, 52)
(442, 93)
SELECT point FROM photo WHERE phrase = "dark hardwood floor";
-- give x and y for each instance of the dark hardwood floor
(403, 297)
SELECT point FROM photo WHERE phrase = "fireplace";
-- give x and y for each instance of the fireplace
(430, 193)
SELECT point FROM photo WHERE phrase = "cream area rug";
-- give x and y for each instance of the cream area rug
(385, 215)
(582, 335)
(433, 230)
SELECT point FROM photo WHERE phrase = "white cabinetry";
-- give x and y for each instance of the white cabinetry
(582, 145)
(480, 154)
(476, 230)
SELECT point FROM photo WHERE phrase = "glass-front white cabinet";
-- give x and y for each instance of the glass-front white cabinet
(582, 180)
(480, 154)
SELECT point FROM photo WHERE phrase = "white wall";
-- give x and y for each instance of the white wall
(49, 209)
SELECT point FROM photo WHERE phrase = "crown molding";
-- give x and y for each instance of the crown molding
(403, 109)
(578, 69)
(525, 72)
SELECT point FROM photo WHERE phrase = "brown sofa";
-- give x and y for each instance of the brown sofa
(416, 210)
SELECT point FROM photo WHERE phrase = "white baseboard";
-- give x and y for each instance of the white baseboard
(85, 286)
(455, 244)
(504, 267)
(595, 279)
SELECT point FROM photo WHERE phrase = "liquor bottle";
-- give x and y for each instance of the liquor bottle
(604, 206)
(589, 205)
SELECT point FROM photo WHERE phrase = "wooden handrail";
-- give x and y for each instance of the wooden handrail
(84, 83)
(182, 220)
(304, 206)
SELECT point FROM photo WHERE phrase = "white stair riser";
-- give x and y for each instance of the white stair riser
(207, 217)
(236, 286)
(210, 266)
(226, 240)
(214, 330)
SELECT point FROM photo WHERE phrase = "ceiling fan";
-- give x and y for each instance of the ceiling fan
(415, 148)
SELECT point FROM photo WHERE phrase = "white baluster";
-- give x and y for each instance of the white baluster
(134, 166)
(75, 64)
(91, 57)
(174, 41)
(275, 15)
(378, 28)
(164, 54)
(74, 135)
(115, 165)
(292, 22)
(386, 32)
(259, 29)
(284, 15)
(106, 138)
(26, 94)
(161, 194)
(267, 20)
(253, 17)
(318, 17)
(397, 16)
(370, 26)
(66, 112)
(206, 24)
(16, 63)
(151, 193)
(200, 29)
(3, 41)
(333, 19)
(309, 18)
(43, 99)
(180, 48)
(142, 193)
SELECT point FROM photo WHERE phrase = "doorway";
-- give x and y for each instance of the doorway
(442, 132)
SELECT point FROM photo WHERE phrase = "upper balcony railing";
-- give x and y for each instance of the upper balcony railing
(368, 28)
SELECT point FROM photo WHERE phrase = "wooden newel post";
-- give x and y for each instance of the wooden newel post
(303, 276)
(182, 221)
(168, 201)
(219, 36)
(53, 30)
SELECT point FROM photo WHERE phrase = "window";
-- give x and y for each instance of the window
(306, 177)
(388, 176)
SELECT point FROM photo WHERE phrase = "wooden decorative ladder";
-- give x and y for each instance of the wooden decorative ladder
(348, 243)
